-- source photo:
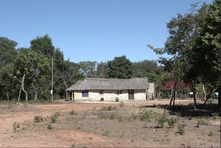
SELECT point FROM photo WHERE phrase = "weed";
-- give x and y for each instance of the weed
(106, 133)
(132, 115)
(117, 99)
(171, 122)
(178, 114)
(120, 118)
(38, 119)
(84, 116)
(54, 117)
(145, 114)
(181, 129)
(210, 134)
(161, 119)
(202, 122)
(109, 108)
(215, 116)
(102, 99)
(121, 103)
(49, 126)
(15, 126)
(73, 112)
(189, 118)
(112, 117)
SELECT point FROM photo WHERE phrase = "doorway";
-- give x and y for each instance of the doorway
(131, 94)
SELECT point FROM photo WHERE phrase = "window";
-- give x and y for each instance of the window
(101, 91)
(85, 93)
(119, 92)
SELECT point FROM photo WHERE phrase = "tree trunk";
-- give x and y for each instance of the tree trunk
(219, 98)
(19, 95)
(194, 98)
(36, 92)
(23, 87)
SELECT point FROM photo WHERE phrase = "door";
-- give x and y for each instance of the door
(131, 94)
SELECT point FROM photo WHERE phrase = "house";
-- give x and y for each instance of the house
(93, 89)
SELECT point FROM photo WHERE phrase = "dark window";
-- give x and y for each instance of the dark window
(119, 92)
(101, 91)
(85, 93)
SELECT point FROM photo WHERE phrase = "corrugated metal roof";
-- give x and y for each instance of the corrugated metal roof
(110, 84)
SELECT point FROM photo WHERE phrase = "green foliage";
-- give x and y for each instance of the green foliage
(171, 122)
(120, 118)
(109, 108)
(181, 129)
(106, 133)
(102, 99)
(120, 67)
(112, 117)
(132, 115)
(54, 117)
(73, 112)
(146, 114)
(15, 126)
(117, 99)
(38, 119)
(202, 122)
(161, 119)
(49, 126)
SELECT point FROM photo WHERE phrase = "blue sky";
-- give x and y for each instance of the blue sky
(92, 30)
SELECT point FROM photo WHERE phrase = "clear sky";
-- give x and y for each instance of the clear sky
(92, 30)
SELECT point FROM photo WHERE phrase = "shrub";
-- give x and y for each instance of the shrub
(49, 126)
(120, 118)
(106, 133)
(102, 99)
(117, 99)
(181, 129)
(54, 117)
(112, 117)
(161, 120)
(202, 122)
(73, 112)
(171, 122)
(145, 114)
(121, 103)
(38, 119)
(15, 126)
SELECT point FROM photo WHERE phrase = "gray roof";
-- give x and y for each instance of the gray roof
(110, 84)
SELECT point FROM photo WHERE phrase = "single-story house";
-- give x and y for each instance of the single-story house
(93, 89)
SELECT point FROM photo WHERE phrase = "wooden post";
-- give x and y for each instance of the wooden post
(72, 96)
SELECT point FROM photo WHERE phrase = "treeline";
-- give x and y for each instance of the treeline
(26, 73)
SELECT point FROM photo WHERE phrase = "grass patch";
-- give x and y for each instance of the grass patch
(106, 133)
(38, 119)
(73, 112)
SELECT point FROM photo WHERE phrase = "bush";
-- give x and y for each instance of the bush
(161, 120)
(73, 112)
(145, 114)
(121, 103)
(105, 133)
(171, 122)
(54, 117)
(117, 99)
(102, 99)
(38, 119)
(181, 129)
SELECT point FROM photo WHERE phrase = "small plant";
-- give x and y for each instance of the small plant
(215, 116)
(38, 119)
(49, 126)
(145, 114)
(73, 112)
(102, 99)
(117, 99)
(54, 117)
(181, 129)
(189, 118)
(171, 122)
(15, 126)
(202, 122)
(121, 103)
(210, 134)
(178, 114)
(106, 133)
(161, 120)
(132, 115)
(112, 117)
(120, 118)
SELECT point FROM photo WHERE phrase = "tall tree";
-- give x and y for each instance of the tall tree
(7, 51)
(88, 68)
(120, 67)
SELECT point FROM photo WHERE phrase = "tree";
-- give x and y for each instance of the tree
(206, 50)
(88, 68)
(43, 45)
(7, 51)
(101, 71)
(120, 67)
(30, 70)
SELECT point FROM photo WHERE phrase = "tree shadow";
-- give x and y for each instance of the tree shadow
(188, 110)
